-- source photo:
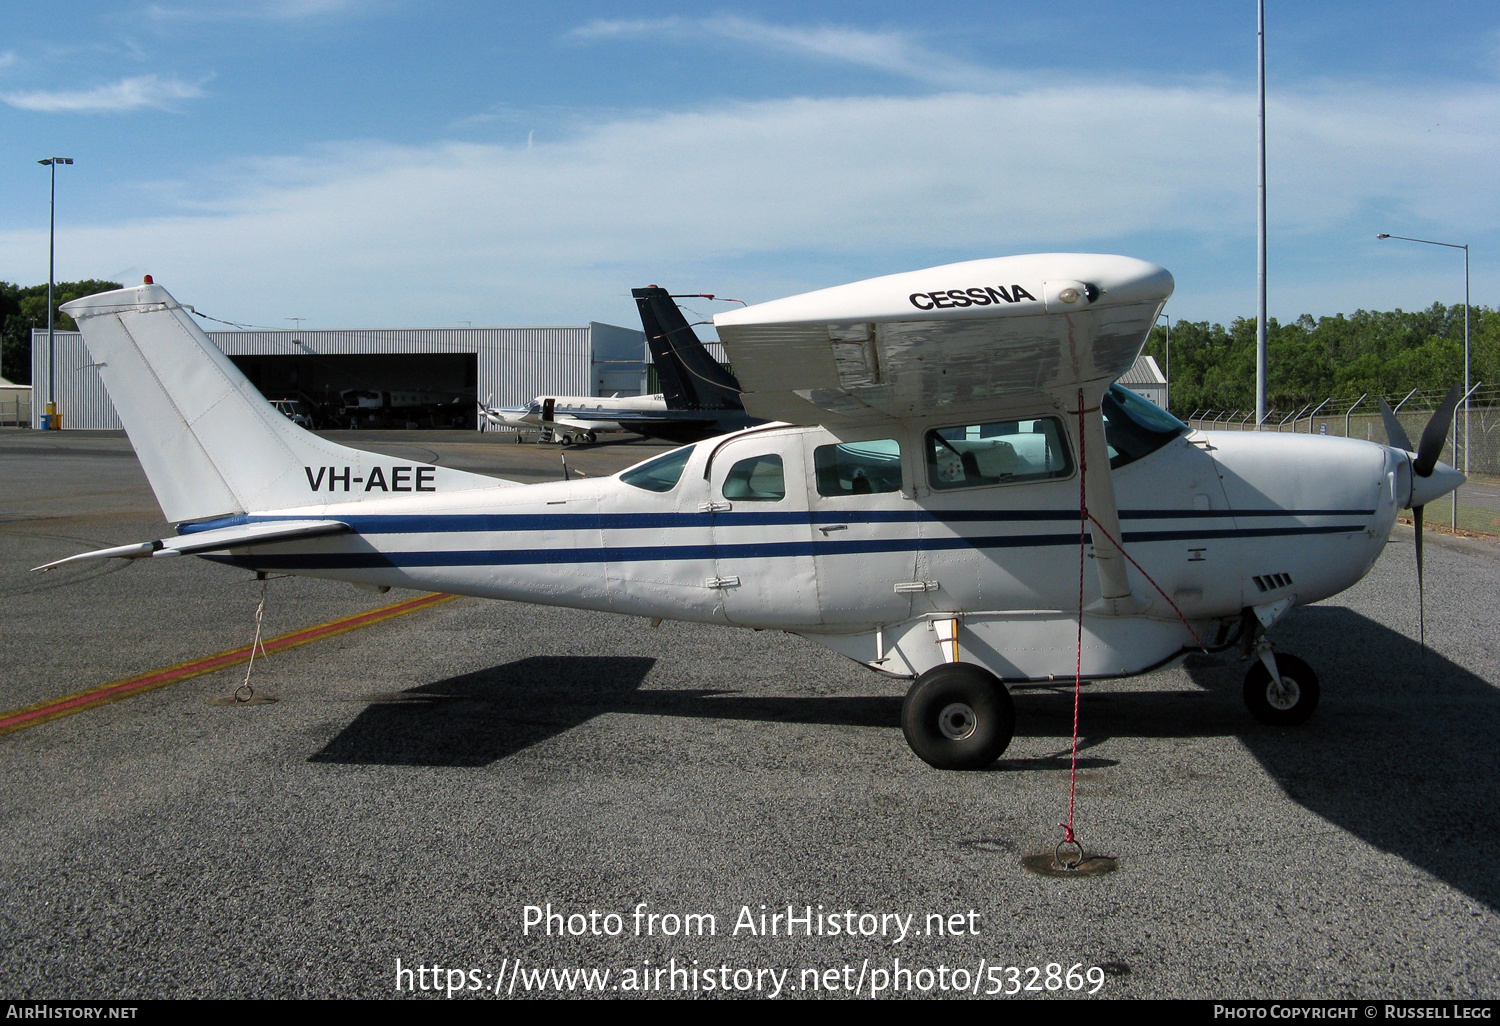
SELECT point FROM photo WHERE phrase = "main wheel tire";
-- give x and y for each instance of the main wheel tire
(1288, 705)
(958, 716)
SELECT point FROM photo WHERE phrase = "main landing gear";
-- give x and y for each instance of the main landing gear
(958, 716)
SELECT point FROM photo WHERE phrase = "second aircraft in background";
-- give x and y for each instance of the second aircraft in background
(699, 398)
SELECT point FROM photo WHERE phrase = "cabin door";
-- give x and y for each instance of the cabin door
(762, 540)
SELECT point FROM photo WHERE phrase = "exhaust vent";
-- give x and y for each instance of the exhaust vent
(1270, 582)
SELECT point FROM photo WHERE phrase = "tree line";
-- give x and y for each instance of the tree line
(1307, 361)
(23, 307)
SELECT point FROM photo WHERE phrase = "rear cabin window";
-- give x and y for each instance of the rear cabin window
(858, 468)
(660, 474)
(1006, 452)
(758, 479)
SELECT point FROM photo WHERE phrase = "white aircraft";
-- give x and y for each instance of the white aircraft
(577, 418)
(917, 508)
(700, 398)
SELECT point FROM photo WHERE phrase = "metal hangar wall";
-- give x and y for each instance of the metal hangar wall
(503, 366)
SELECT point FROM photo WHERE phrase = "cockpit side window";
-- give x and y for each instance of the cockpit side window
(858, 468)
(1006, 452)
(660, 474)
(1135, 427)
(757, 479)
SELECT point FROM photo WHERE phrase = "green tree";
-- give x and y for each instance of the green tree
(23, 308)
(1308, 360)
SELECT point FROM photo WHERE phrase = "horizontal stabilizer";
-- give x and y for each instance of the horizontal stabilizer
(218, 539)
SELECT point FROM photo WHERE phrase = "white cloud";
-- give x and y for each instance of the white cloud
(895, 53)
(780, 196)
(128, 94)
(7, 58)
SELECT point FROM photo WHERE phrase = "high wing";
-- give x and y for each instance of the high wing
(947, 341)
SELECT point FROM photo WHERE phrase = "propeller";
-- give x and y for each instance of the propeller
(1426, 453)
(1435, 434)
(1393, 429)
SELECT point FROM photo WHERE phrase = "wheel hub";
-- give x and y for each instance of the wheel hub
(957, 721)
(1285, 696)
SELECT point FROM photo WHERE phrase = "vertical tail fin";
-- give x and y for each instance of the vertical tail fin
(209, 443)
(691, 379)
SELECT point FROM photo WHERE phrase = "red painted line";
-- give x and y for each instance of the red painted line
(54, 708)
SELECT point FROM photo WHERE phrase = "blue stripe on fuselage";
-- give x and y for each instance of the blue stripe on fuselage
(459, 523)
(711, 551)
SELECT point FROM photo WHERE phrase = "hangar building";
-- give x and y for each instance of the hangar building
(387, 377)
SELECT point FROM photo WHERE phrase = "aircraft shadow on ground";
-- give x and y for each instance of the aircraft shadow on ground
(476, 718)
(1401, 754)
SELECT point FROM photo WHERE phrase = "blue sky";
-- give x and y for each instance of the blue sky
(393, 163)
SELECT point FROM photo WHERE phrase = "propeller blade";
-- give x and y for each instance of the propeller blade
(1416, 516)
(1394, 432)
(1435, 434)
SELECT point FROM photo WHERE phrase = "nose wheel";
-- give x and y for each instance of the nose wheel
(958, 716)
(1283, 703)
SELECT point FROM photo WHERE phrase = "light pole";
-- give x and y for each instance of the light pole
(1260, 226)
(1465, 248)
(1167, 371)
(52, 163)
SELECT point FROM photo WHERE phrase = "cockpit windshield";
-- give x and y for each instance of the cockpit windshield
(660, 474)
(1135, 427)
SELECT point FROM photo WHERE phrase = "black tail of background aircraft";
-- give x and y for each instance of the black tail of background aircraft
(691, 379)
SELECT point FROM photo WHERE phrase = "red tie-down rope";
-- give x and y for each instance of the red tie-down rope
(1085, 518)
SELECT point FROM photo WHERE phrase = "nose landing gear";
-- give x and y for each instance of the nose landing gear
(1283, 702)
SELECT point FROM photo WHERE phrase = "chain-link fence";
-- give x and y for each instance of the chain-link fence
(15, 410)
(1474, 436)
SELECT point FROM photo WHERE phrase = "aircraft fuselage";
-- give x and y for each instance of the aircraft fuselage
(1219, 522)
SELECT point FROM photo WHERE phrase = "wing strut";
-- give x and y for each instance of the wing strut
(1099, 491)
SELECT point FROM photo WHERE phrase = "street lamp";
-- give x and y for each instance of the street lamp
(1167, 372)
(52, 162)
(1260, 224)
(1465, 248)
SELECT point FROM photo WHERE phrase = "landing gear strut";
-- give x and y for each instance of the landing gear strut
(958, 716)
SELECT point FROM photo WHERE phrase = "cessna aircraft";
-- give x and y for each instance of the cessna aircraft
(699, 397)
(948, 448)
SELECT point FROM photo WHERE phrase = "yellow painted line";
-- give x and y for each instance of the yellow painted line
(67, 705)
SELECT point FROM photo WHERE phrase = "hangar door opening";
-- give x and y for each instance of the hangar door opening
(370, 390)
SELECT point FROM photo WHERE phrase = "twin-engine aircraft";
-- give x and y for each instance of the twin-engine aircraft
(699, 398)
(577, 418)
(948, 447)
